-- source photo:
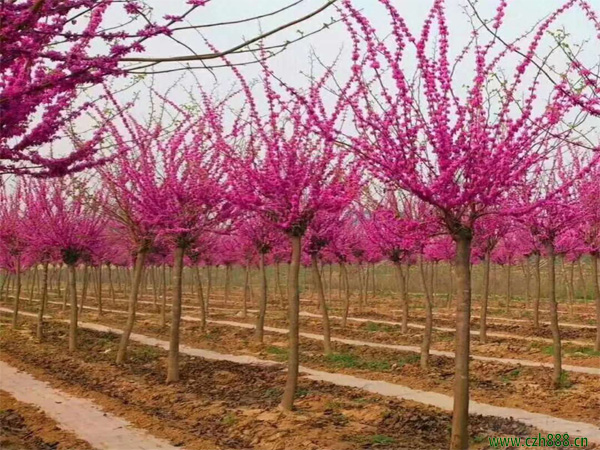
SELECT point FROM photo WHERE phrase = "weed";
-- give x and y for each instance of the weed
(381, 439)
(564, 381)
(229, 419)
(511, 376)
(281, 354)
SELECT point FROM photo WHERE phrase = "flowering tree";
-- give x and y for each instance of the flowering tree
(427, 135)
(70, 225)
(285, 174)
(171, 186)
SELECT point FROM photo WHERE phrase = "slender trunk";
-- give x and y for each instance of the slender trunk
(366, 282)
(227, 283)
(557, 359)
(360, 287)
(208, 288)
(33, 279)
(111, 287)
(582, 281)
(262, 304)
(246, 291)
(40, 322)
(201, 300)
(287, 401)
(133, 296)
(596, 286)
(173, 360)
(73, 299)
(99, 278)
(15, 319)
(4, 280)
(163, 305)
(58, 293)
(538, 291)
(330, 286)
(508, 286)
(527, 276)
(340, 283)
(426, 343)
(403, 300)
(278, 280)
(154, 287)
(322, 304)
(460, 415)
(572, 285)
(484, 300)
(346, 306)
(84, 288)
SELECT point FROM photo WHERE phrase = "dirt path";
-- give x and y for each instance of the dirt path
(80, 416)
(542, 421)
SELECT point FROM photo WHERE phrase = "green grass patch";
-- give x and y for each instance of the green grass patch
(380, 439)
(229, 419)
(564, 381)
(374, 327)
(586, 351)
(280, 354)
(351, 361)
(511, 376)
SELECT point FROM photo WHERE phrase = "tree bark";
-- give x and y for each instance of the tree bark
(403, 299)
(484, 300)
(346, 306)
(278, 281)
(201, 300)
(508, 286)
(287, 401)
(460, 414)
(322, 304)
(73, 299)
(557, 354)
(426, 343)
(99, 278)
(40, 322)
(84, 288)
(173, 360)
(596, 286)
(246, 290)
(15, 319)
(262, 303)
(131, 309)
(163, 305)
(538, 291)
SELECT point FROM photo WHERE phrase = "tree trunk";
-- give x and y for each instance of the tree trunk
(111, 287)
(322, 304)
(279, 290)
(287, 401)
(15, 319)
(58, 276)
(527, 276)
(33, 279)
(346, 306)
(73, 299)
(84, 288)
(484, 300)
(403, 300)
(246, 291)
(201, 300)
(40, 323)
(582, 281)
(596, 286)
(99, 278)
(133, 296)
(538, 291)
(208, 288)
(173, 360)
(154, 288)
(228, 283)
(557, 359)
(460, 414)
(508, 286)
(163, 305)
(426, 343)
(262, 304)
